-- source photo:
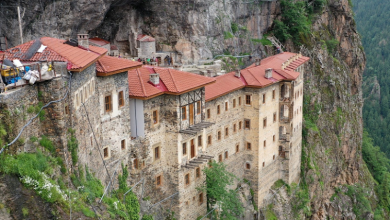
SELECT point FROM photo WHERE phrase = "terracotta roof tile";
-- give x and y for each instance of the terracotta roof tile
(145, 38)
(223, 85)
(58, 51)
(173, 82)
(111, 65)
(98, 41)
(254, 76)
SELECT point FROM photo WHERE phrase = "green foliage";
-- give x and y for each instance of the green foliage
(147, 217)
(30, 109)
(269, 213)
(33, 139)
(88, 212)
(47, 143)
(42, 113)
(34, 171)
(216, 187)
(73, 146)
(25, 211)
(279, 183)
(234, 27)
(263, 41)
(331, 45)
(227, 35)
(294, 23)
(361, 204)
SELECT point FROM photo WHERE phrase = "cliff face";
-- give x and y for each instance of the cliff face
(201, 29)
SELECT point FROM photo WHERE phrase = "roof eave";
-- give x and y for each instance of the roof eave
(98, 73)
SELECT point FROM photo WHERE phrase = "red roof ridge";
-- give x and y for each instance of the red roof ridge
(140, 82)
(173, 80)
(254, 77)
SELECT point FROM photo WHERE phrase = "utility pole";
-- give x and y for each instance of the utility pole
(20, 26)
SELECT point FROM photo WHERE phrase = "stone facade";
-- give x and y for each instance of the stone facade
(146, 49)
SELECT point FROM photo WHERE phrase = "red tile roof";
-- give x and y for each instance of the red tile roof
(113, 47)
(171, 82)
(78, 57)
(254, 76)
(145, 38)
(98, 41)
(107, 65)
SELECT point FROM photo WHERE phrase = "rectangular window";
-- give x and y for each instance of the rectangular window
(155, 117)
(274, 117)
(209, 140)
(247, 124)
(273, 138)
(226, 132)
(123, 144)
(184, 113)
(208, 113)
(264, 122)
(156, 153)
(239, 100)
(105, 152)
(234, 127)
(200, 140)
(240, 125)
(219, 135)
(265, 143)
(218, 109)
(121, 99)
(200, 198)
(184, 148)
(198, 107)
(248, 99)
(248, 146)
(226, 154)
(66, 109)
(135, 164)
(107, 103)
(226, 106)
(273, 94)
(197, 172)
(237, 148)
(158, 180)
(234, 103)
(187, 179)
(220, 158)
(263, 98)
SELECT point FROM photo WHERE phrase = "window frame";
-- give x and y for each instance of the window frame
(158, 155)
(240, 125)
(247, 124)
(198, 107)
(275, 117)
(200, 198)
(220, 158)
(108, 103)
(265, 143)
(237, 148)
(226, 132)
(234, 127)
(197, 173)
(218, 109)
(248, 99)
(226, 106)
(155, 115)
(208, 113)
(121, 99)
(226, 155)
(234, 103)
(184, 148)
(247, 166)
(219, 135)
(209, 140)
(123, 144)
(265, 122)
(273, 94)
(161, 180)
(187, 177)
(106, 152)
(239, 101)
(264, 98)
(248, 145)
(200, 140)
(184, 113)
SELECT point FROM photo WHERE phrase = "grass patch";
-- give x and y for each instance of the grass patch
(25, 211)
(47, 144)
(269, 213)
(73, 145)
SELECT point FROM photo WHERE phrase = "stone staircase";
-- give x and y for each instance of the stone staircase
(276, 43)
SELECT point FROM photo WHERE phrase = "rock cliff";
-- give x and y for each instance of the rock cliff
(201, 29)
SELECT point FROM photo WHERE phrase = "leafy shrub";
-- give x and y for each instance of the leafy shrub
(30, 109)
(234, 27)
(88, 212)
(47, 143)
(331, 45)
(73, 145)
(227, 35)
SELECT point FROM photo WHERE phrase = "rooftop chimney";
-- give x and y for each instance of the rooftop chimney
(257, 62)
(237, 73)
(83, 40)
(268, 73)
(154, 78)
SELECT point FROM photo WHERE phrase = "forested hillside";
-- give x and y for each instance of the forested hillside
(372, 20)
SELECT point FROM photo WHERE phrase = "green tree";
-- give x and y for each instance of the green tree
(217, 181)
